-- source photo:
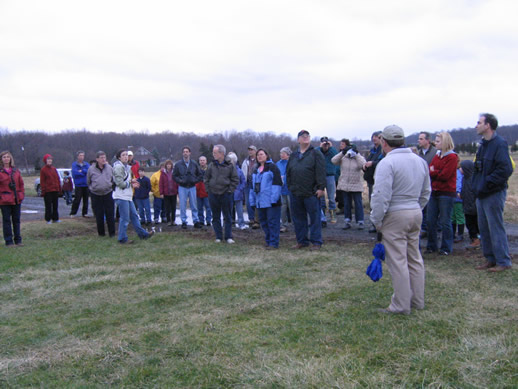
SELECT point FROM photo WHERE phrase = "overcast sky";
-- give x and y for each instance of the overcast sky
(337, 68)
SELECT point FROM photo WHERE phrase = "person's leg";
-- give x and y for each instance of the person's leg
(98, 206)
(142, 233)
(494, 208)
(183, 194)
(239, 212)
(54, 206)
(370, 186)
(274, 225)
(123, 206)
(424, 224)
(215, 205)
(263, 221)
(249, 209)
(199, 203)
(6, 224)
(168, 208)
(140, 210)
(300, 219)
(394, 232)
(347, 207)
(109, 211)
(208, 211)
(85, 201)
(173, 209)
(16, 217)
(284, 210)
(48, 204)
(315, 227)
(193, 204)
(415, 260)
(432, 214)
(485, 236)
(77, 200)
(228, 200)
(358, 207)
(331, 192)
(157, 208)
(147, 207)
(445, 212)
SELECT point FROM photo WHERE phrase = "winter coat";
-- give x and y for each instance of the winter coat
(306, 172)
(145, 187)
(201, 192)
(429, 154)
(134, 168)
(269, 185)
(7, 195)
(67, 184)
(187, 176)
(248, 167)
(492, 167)
(444, 175)
(468, 196)
(100, 182)
(221, 178)
(79, 173)
(168, 185)
(155, 182)
(328, 155)
(239, 193)
(49, 180)
(351, 169)
(122, 179)
(375, 155)
(282, 165)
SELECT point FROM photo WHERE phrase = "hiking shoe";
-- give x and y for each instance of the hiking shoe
(299, 246)
(485, 266)
(474, 245)
(499, 268)
(149, 235)
(255, 226)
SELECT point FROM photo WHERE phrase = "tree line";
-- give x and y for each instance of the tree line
(29, 147)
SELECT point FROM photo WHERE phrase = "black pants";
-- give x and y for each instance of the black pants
(81, 193)
(472, 224)
(51, 206)
(170, 208)
(104, 206)
(11, 213)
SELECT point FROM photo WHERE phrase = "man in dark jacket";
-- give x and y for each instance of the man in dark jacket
(375, 155)
(426, 151)
(306, 177)
(221, 181)
(492, 170)
(187, 173)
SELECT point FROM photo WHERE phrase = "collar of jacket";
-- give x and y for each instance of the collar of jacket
(484, 141)
(441, 155)
(267, 166)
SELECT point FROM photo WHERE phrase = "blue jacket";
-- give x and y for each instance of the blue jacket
(145, 188)
(270, 183)
(282, 164)
(239, 193)
(492, 167)
(460, 177)
(328, 155)
(79, 174)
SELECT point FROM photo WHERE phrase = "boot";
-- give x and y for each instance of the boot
(332, 214)
(475, 244)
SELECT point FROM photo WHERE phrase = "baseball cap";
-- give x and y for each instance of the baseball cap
(130, 152)
(393, 132)
(302, 132)
(252, 147)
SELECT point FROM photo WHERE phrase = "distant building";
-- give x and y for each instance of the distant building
(144, 157)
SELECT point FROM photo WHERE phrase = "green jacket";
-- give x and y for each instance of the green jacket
(221, 178)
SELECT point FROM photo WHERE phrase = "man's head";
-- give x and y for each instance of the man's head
(424, 140)
(202, 161)
(375, 137)
(80, 155)
(130, 156)
(252, 150)
(303, 138)
(100, 158)
(218, 152)
(285, 153)
(141, 171)
(344, 143)
(324, 143)
(186, 153)
(487, 123)
(392, 137)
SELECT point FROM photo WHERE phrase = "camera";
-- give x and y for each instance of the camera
(12, 186)
(257, 187)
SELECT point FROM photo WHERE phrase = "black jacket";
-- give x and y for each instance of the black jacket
(492, 167)
(467, 195)
(375, 155)
(187, 176)
(306, 173)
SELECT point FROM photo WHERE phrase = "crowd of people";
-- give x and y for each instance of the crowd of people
(413, 194)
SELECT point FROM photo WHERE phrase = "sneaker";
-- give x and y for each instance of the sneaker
(243, 227)
(255, 225)
(361, 226)
(49, 222)
(283, 229)
(218, 241)
(231, 241)
(347, 226)
(299, 246)
(149, 235)
(184, 226)
(442, 252)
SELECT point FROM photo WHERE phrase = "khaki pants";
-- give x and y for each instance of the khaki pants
(400, 231)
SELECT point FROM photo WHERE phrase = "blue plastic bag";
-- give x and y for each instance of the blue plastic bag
(374, 270)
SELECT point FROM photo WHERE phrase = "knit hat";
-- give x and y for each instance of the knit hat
(47, 156)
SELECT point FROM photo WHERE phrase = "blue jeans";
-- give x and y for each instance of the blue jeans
(128, 213)
(184, 194)
(203, 202)
(349, 197)
(239, 213)
(11, 213)
(331, 193)
(440, 207)
(221, 204)
(249, 209)
(301, 208)
(492, 232)
(270, 220)
(67, 195)
(284, 209)
(144, 209)
(158, 208)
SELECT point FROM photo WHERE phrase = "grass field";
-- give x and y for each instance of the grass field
(181, 311)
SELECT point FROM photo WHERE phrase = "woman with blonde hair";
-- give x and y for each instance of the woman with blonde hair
(443, 175)
(12, 192)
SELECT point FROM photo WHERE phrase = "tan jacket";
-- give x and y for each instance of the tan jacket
(350, 172)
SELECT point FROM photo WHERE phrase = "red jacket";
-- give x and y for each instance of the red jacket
(7, 194)
(134, 169)
(167, 188)
(201, 192)
(49, 180)
(444, 175)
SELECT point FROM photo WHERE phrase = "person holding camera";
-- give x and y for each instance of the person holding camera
(350, 182)
(12, 193)
(266, 197)
(327, 149)
(493, 167)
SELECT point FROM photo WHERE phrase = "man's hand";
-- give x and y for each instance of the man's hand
(320, 193)
(368, 164)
